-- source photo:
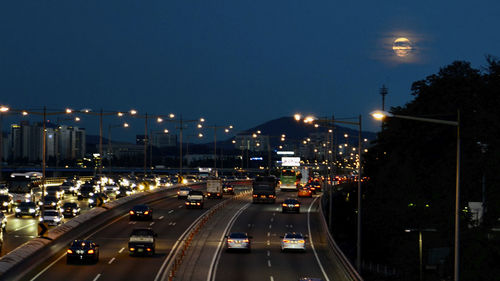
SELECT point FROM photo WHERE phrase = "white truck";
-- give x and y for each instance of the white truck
(195, 199)
(214, 188)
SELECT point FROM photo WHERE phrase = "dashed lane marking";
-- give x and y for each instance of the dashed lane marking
(97, 277)
(111, 261)
(121, 250)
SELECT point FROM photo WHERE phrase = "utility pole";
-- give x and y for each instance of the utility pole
(383, 93)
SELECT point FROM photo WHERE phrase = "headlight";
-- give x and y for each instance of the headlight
(40, 203)
(117, 192)
(53, 203)
(30, 210)
(40, 219)
(57, 219)
(91, 193)
(18, 210)
(5, 203)
(91, 200)
(27, 195)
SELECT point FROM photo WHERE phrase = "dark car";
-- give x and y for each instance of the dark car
(3, 221)
(69, 187)
(86, 191)
(227, 188)
(50, 202)
(27, 209)
(290, 205)
(141, 212)
(81, 251)
(70, 209)
(6, 202)
(142, 241)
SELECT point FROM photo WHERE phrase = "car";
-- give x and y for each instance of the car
(110, 187)
(315, 186)
(238, 241)
(6, 202)
(164, 182)
(195, 199)
(27, 209)
(304, 192)
(56, 191)
(86, 190)
(183, 192)
(94, 199)
(293, 241)
(50, 202)
(227, 188)
(310, 279)
(142, 241)
(189, 179)
(142, 211)
(82, 250)
(124, 191)
(52, 217)
(3, 221)
(290, 205)
(69, 187)
(70, 209)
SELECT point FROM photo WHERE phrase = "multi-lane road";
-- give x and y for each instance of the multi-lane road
(205, 258)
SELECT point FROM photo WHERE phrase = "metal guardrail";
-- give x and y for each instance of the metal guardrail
(345, 265)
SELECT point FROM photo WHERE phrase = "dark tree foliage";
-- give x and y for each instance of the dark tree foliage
(412, 171)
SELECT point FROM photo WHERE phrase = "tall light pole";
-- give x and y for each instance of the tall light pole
(3, 109)
(215, 127)
(330, 122)
(379, 115)
(110, 143)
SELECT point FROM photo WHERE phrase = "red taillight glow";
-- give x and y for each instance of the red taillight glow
(284, 205)
(255, 195)
(91, 251)
(131, 212)
(132, 249)
(70, 251)
(230, 240)
(297, 205)
(148, 249)
(286, 241)
(147, 212)
(301, 241)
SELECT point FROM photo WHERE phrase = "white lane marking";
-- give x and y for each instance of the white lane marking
(172, 223)
(311, 240)
(274, 214)
(86, 238)
(249, 225)
(270, 226)
(268, 243)
(268, 253)
(216, 258)
(132, 222)
(180, 206)
(272, 219)
(160, 218)
(151, 223)
(121, 250)
(28, 225)
(171, 211)
(111, 261)
(97, 277)
(268, 234)
(268, 263)
(271, 278)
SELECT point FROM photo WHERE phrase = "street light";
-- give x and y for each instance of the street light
(226, 130)
(110, 150)
(3, 109)
(379, 115)
(331, 122)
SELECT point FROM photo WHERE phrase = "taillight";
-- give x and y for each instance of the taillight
(230, 240)
(301, 241)
(148, 249)
(131, 212)
(284, 205)
(286, 241)
(91, 251)
(147, 212)
(255, 195)
(70, 251)
(245, 241)
(297, 205)
(132, 249)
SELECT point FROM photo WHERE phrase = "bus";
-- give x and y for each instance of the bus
(288, 179)
(24, 187)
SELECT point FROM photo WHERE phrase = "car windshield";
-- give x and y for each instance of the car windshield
(140, 208)
(142, 232)
(294, 235)
(238, 235)
(50, 213)
(27, 205)
(81, 244)
(291, 201)
(49, 198)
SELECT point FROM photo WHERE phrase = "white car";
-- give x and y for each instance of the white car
(52, 217)
(238, 241)
(293, 241)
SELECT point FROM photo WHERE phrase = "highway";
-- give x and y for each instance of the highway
(206, 258)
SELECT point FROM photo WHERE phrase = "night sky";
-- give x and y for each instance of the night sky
(233, 62)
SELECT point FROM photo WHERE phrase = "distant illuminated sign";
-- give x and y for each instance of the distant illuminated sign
(256, 158)
(290, 161)
(204, 170)
(285, 153)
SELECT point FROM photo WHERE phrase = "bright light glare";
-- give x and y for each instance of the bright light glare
(4, 108)
(68, 110)
(200, 135)
(297, 117)
(171, 115)
(200, 126)
(77, 119)
(125, 125)
(379, 115)
(24, 113)
(309, 119)
(120, 114)
(159, 119)
(202, 119)
(226, 130)
(165, 131)
(133, 112)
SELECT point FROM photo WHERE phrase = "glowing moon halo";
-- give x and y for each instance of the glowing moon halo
(402, 47)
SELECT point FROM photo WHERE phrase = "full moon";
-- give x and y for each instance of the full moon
(402, 47)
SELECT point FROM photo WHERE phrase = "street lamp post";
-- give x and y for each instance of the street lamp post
(215, 127)
(3, 109)
(420, 242)
(331, 122)
(110, 143)
(379, 115)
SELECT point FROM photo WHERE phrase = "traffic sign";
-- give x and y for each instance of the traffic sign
(42, 228)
